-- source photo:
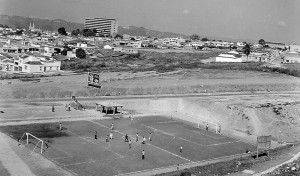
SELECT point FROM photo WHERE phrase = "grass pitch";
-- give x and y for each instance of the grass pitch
(75, 149)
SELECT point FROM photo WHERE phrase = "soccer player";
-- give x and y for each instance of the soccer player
(144, 140)
(46, 145)
(129, 144)
(96, 135)
(150, 137)
(106, 139)
(69, 107)
(110, 135)
(143, 154)
(206, 127)
(126, 138)
(180, 150)
(53, 108)
(219, 129)
(112, 126)
(137, 137)
(60, 126)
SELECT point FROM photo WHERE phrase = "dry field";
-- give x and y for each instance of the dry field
(150, 83)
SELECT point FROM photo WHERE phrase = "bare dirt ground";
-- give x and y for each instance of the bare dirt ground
(241, 116)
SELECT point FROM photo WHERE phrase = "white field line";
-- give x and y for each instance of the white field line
(167, 122)
(119, 155)
(149, 144)
(198, 132)
(58, 164)
(106, 127)
(87, 162)
(171, 153)
(70, 155)
(64, 157)
(189, 140)
(185, 165)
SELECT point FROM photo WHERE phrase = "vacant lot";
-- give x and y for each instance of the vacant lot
(150, 83)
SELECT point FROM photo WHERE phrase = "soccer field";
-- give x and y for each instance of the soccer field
(75, 149)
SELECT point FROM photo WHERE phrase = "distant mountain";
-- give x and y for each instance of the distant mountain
(44, 24)
(141, 31)
(53, 25)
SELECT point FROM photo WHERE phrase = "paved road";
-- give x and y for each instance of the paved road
(152, 96)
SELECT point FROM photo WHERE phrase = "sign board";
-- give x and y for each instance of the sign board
(264, 142)
(94, 79)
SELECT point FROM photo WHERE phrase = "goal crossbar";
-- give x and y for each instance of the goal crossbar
(39, 140)
(204, 123)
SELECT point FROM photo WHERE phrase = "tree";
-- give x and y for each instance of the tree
(89, 32)
(247, 49)
(204, 39)
(76, 32)
(64, 52)
(118, 36)
(194, 37)
(80, 53)
(62, 31)
(19, 32)
(261, 42)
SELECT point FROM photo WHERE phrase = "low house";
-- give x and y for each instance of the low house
(33, 64)
(291, 57)
(126, 50)
(274, 45)
(258, 57)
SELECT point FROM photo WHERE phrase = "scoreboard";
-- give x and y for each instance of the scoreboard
(94, 79)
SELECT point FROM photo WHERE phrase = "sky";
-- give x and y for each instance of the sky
(271, 20)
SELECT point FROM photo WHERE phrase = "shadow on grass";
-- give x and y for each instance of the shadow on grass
(49, 130)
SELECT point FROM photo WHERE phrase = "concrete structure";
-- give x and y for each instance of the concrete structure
(258, 57)
(107, 26)
(229, 57)
(291, 57)
(108, 107)
(294, 48)
(126, 50)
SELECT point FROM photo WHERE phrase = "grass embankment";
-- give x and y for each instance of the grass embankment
(115, 91)
(232, 166)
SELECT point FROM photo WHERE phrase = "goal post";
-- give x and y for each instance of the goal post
(211, 125)
(203, 123)
(39, 144)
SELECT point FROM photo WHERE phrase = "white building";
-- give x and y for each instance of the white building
(291, 57)
(33, 64)
(107, 26)
(231, 56)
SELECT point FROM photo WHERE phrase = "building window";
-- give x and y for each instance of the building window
(41, 68)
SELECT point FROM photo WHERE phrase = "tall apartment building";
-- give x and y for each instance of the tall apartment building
(107, 26)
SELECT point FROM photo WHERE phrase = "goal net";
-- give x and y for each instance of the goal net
(33, 140)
